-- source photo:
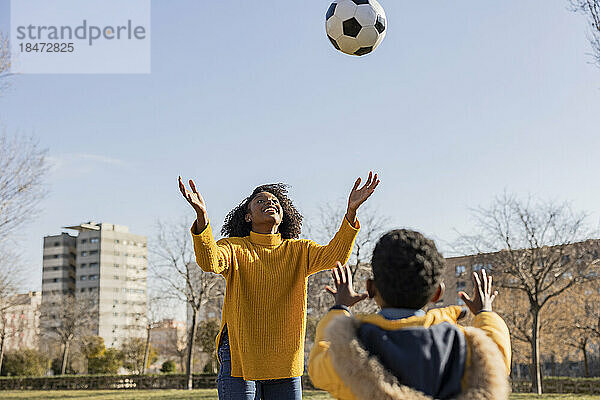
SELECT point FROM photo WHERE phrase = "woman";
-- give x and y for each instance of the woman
(266, 267)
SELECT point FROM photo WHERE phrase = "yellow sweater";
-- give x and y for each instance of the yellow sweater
(265, 300)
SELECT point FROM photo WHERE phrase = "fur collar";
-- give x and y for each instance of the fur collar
(368, 380)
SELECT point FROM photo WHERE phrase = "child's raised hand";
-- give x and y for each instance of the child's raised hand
(483, 297)
(344, 293)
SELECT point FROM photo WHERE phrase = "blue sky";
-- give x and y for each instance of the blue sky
(462, 101)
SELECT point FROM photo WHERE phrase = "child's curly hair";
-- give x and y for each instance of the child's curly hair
(407, 268)
(235, 224)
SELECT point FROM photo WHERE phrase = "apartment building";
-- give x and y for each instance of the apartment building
(103, 262)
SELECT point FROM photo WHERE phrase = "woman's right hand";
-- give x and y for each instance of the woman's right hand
(197, 202)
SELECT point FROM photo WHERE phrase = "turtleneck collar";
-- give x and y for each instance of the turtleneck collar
(266, 239)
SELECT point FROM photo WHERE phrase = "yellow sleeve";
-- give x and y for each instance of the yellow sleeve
(338, 249)
(494, 326)
(320, 369)
(210, 255)
(450, 314)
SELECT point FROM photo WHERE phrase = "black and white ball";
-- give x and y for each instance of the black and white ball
(356, 27)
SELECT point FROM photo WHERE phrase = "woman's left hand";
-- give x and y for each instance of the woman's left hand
(360, 195)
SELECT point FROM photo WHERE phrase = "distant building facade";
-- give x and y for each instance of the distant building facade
(459, 270)
(168, 338)
(21, 322)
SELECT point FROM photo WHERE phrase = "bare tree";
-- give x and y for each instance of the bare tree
(66, 319)
(183, 279)
(176, 346)
(330, 216)
(9, 283)
(591, 8)
(580, 312)
(152, 318)
(137, 352)
(513, 306)
(537, 249)
(22, 170)
(4, 63)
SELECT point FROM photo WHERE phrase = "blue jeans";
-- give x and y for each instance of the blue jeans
(236, 388)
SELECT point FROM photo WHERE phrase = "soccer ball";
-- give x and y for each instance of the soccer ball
(356, 27)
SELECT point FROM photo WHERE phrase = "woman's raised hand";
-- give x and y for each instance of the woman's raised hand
(196, 201)
(360, 195)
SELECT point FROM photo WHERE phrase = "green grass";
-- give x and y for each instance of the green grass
(202, 394)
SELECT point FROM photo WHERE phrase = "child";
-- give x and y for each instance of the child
(266, 267)
(403, 352)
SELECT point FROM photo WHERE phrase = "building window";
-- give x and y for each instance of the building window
(460, 269)
(93, 252)
(460, 285)
(94, 240)
(83, 241)
(477, 267)
(56, 244)
(83, 265)
(116, 277)
(92, 265)
(117, 265)
(84, 254)
(83, 277)
(460, 301)
(93, 277)
(116, 241)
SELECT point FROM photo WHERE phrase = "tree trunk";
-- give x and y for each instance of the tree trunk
(585, 360)
(190, 349)
(536, 376)
(147, 349)
(63, 367)
(1, 351)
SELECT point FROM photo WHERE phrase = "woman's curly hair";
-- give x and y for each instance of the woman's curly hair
(235, 224)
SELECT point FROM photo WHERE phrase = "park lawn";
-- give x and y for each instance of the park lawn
(201, 394)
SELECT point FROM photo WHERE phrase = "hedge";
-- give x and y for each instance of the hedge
(107, 382)
(553, 384)
(209, 381)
